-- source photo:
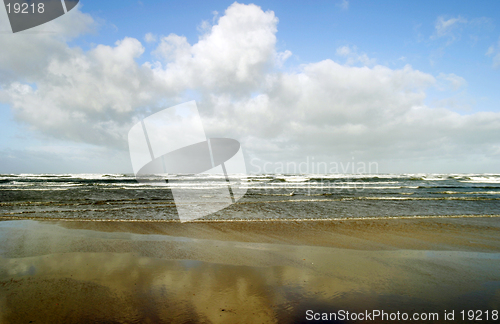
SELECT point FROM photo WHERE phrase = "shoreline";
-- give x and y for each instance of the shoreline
(201, 220)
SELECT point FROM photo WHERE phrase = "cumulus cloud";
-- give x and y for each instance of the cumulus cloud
(233, 57)
(88, 97)
(321, 108)
(26, 54)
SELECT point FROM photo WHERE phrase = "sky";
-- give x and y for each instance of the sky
(410, 86)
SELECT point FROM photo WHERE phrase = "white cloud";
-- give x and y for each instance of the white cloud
(150, 38)
(445, 27)
(459, 104)
(494, 52)
(448, 28)
(326, 107)
(205, 25)
(173, 48)
(351, 53)
(344, 4)
(322, 108)
(281, 57)
(25, 54)
(234, 55)
(88, 97)
(344, 51)
(454, 81)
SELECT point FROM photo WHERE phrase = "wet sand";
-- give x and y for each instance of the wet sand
(245, 272)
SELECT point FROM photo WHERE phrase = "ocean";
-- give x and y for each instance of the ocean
(120, 197)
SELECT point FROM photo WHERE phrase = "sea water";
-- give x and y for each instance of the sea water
(268, 197)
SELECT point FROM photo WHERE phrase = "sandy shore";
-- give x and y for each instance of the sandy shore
(257, 272)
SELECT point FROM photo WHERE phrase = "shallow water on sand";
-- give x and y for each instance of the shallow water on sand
(51, 273)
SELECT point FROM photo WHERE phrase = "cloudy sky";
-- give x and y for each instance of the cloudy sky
(412, 86)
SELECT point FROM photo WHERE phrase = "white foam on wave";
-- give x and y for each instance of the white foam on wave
(308, 186)
(469, 192)
(483, 179)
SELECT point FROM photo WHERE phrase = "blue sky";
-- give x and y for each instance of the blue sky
(431, 62)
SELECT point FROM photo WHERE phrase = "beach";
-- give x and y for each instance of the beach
(247, 272)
